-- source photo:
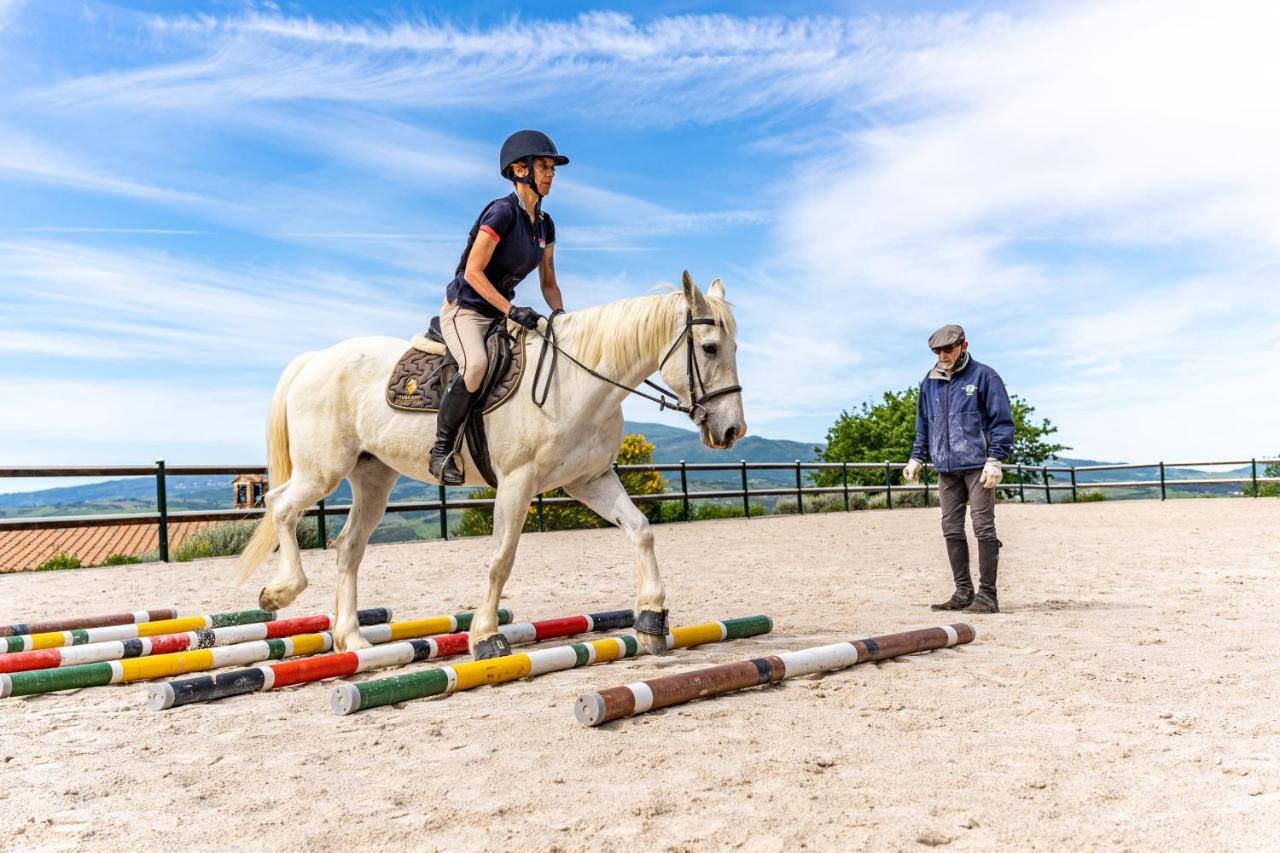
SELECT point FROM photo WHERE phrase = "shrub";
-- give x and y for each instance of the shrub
(1090, 497)
(820, 503)
(672, 511)
(228, 540)
(60, 560)
(120, 560)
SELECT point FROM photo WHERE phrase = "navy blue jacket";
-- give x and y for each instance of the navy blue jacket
(962, 422)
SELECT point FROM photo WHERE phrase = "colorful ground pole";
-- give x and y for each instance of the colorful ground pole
(84, 636)
(350, 698)
(129, 618)
(169, 643)
(593, 709)
(181, 663)
(237, 682)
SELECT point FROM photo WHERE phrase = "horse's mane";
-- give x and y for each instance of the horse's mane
(621, 333)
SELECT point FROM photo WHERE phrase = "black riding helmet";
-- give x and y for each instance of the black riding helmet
(526, 145)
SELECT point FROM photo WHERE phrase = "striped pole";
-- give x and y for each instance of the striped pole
(204, 688)
(350, 698)
(181, 663)
(83, 636)
(67, 624)
(168, 643)
(593, 709)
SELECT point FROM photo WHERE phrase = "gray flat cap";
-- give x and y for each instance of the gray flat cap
(947, 335)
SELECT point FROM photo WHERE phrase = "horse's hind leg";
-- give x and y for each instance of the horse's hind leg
(510, 508)
(285, 505)
(607, 498)
(371, 484)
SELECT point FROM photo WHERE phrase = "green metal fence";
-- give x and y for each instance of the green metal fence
(444, 504)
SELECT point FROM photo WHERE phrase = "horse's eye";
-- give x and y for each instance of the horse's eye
(710, 349)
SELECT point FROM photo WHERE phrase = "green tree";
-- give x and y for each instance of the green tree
(887, 430)
(635, 450)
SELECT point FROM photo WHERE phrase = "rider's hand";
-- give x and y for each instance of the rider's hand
(992, 474)
(526, 317)
(911, 472)
(556, 313)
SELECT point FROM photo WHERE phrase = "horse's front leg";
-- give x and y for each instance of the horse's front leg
(607, 497)
(510, 507)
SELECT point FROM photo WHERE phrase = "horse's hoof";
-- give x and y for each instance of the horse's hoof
(652, 622)
(653, 644)
(267, 601)
(497, 646)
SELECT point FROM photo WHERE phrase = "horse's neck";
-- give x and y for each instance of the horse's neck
(643, 324)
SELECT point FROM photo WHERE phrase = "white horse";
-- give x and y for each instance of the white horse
(329, 419)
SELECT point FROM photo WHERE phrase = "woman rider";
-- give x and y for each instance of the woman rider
(511, 237)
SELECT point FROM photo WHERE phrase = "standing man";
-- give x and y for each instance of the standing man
(965, 425)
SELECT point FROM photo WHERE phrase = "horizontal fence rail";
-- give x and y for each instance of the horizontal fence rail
(162, 517)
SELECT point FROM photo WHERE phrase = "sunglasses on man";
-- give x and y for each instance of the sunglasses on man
(948, 349)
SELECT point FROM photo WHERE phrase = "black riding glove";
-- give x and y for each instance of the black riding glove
(526, 317)
(556, 313)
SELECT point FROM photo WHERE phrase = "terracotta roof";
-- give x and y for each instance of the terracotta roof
(21, 550)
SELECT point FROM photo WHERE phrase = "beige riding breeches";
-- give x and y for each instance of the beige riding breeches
(463, 330)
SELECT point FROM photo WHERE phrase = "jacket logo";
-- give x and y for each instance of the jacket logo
(969, 389)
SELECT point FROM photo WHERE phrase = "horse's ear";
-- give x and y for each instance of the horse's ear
(692, 295)
(716, 290)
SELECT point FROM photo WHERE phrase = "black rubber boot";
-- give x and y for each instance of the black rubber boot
(988, 562)
(454, 405)
(958, 554)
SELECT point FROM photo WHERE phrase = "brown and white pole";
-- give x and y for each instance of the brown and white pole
(593, 709)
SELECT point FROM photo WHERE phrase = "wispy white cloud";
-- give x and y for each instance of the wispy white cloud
(146, 305)
(9, 11)
(669, 70)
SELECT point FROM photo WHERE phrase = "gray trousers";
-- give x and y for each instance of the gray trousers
(954, 491)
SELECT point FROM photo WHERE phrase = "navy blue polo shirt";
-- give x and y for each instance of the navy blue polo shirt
(521, 244)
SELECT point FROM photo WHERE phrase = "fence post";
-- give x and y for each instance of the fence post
(321, 528)
(888, 487)
(1255, 477)
(1162, 495)
(162, 506)
(542, 519)
(799, 493)
(684, 488)
(746, 500)
(1044, 472)
(844, 476)
(1073, 484)
(444, 514)
(1022, 492)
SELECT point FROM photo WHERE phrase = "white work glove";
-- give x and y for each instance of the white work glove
(911, 472)
(992, 474)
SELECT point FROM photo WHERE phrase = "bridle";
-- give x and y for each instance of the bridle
(668, 399)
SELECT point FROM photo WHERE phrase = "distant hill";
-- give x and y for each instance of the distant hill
(671, 444)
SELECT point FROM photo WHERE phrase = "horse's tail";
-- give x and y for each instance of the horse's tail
(279, 469)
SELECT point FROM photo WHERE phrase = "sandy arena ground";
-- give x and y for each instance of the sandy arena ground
(1126, 698)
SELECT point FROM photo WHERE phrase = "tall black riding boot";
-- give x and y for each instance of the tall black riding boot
(454, 405)
(958, 554)
(988, 562)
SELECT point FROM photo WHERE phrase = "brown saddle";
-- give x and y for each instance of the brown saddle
(420, 376)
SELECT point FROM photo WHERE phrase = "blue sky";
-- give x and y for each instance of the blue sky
(192, 193)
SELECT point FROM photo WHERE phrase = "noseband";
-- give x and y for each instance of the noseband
(696, 410)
